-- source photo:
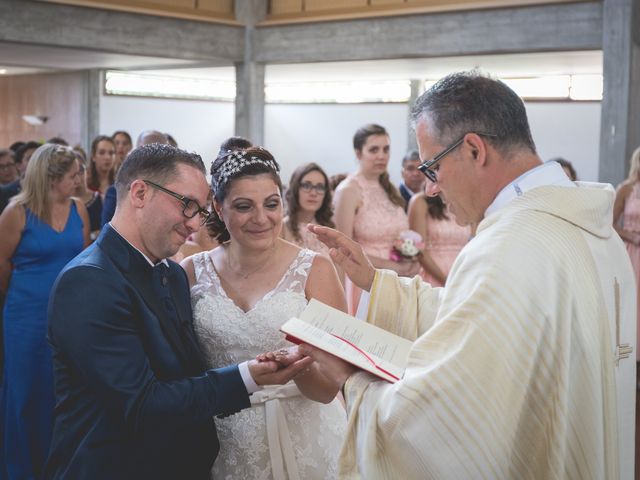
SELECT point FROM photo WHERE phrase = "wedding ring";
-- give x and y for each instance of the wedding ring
(283, 351)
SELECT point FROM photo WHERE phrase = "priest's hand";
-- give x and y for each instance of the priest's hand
(270, 372)
(331, 367)
(347, 254)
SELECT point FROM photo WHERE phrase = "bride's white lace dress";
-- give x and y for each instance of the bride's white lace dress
(283, 434)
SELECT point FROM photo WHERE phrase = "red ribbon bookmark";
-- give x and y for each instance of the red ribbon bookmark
(297, 341)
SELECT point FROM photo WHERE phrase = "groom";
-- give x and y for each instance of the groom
(133, 397)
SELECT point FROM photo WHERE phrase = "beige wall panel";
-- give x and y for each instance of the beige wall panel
(164, 3)
(57, 96)
(279, 7)
(217, 6)
(387, 2)
(206, 10)
(322, 5)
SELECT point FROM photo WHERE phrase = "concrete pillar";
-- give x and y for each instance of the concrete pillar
(620, 118)
(90, 122)
(250, 75)
(416, 90)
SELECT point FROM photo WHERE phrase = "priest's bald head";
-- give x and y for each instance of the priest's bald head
(148, 137)
(474, 139)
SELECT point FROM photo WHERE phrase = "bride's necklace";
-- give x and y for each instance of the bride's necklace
(245, 276)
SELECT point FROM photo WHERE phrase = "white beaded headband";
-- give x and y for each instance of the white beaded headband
(236, 161)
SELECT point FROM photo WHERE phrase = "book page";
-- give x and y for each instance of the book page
(372, 339)
(366, 346)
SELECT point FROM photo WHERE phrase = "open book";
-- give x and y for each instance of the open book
(366, 346)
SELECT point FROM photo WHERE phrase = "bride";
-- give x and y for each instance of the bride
(242, 292)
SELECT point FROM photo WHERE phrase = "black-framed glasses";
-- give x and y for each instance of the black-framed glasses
(191, 207)
(318, 187)
(428, 167)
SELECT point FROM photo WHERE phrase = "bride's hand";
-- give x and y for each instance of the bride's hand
(284, 356)
(271, 372)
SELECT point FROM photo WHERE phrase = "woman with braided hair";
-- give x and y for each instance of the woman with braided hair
(242, 292)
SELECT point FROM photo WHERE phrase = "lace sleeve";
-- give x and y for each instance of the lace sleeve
(296, 280)
(203, 281)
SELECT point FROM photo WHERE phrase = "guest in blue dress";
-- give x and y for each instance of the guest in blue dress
(43, 228)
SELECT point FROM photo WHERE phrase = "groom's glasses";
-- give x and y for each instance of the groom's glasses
(191, 207)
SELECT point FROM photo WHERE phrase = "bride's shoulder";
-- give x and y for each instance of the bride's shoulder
(324, 284)
(197, 262)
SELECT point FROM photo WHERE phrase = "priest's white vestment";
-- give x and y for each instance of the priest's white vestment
(518, 367)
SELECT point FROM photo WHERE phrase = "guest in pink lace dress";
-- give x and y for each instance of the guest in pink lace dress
(443, 237)
(308, 201)
(626, 217)
(370, 209)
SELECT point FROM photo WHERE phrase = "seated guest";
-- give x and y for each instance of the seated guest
(43, 228)
(308, 201)
(8, 170)
(134, 398)
(412, 178)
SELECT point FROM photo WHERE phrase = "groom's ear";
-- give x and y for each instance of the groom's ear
(137, 192)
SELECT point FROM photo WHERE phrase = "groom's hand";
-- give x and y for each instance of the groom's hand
(270, 372)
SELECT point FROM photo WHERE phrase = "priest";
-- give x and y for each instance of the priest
(523, 364)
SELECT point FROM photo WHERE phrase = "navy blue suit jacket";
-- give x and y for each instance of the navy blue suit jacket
(406, 194)
(133, 399)
(108, 205)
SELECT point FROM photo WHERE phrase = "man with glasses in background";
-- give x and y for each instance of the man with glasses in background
(133, 398)
(523, 364)
(8, 170)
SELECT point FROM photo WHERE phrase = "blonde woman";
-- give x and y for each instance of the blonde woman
(626, 216)
(43, 228)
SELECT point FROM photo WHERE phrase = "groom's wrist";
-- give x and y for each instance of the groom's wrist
(249, 383)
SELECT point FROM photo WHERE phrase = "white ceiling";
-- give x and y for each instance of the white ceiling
(20, 59)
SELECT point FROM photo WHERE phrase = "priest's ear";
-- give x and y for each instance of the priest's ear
(476, 146)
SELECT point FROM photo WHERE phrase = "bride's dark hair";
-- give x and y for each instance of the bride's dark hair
(230, 166)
